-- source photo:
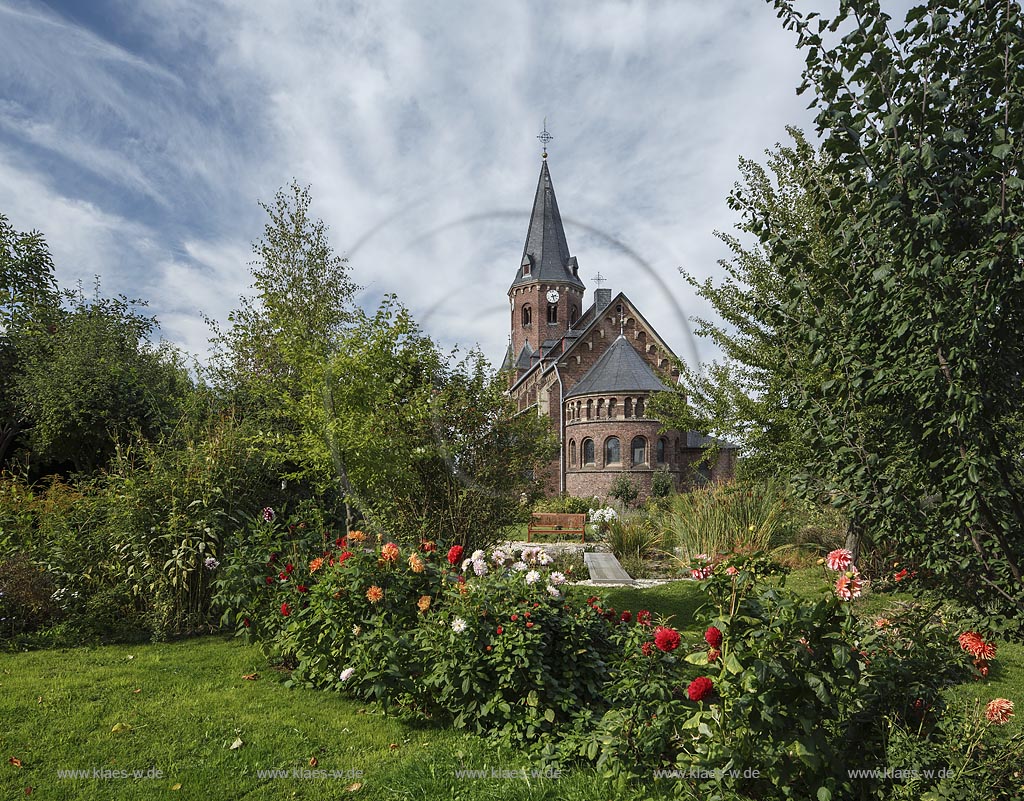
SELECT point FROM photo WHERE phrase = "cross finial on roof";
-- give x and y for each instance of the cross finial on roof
(545, 137)
(599, 279)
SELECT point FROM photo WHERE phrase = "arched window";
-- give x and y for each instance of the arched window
(552, 313)
(628, 407)
(574, 315)
(588, 451)
(572, 453)
(590, 409)
(612, 451)
(659, 453)
(600, 407)
(611, 408)
(639, 449)
(639, 408)
(527, 316)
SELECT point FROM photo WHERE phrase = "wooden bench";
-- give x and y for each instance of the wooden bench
(553, 523)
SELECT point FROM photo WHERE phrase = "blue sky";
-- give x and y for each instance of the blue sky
(139, 136)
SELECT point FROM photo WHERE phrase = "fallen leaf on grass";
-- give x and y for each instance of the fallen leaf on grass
(15, 761)
(39, 700)
(251, 676)
(354, 787)
(236, 744)
(136, 692)
(313, 762)
(28, 790)
(393, 746)
(176, 786)
(120, 727)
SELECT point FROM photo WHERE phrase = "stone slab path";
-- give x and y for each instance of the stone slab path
(605, 569)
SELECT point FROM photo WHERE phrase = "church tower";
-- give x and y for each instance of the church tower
(546, 297)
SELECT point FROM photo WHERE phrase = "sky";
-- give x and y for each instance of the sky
(138, 137)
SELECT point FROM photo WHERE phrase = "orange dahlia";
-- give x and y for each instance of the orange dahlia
(316, 564)
(356, 536)
(999, 711)
(389, 553)
(416, 564)
(374, 594)
(423, 604)
(975, 645)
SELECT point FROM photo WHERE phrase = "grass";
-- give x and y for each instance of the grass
(178, 707)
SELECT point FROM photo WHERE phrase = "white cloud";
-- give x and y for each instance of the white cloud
(415, 125)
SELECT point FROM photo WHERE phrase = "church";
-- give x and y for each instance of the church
(591, 370)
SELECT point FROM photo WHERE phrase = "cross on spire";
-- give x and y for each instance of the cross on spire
(545, 137)
(599, 279)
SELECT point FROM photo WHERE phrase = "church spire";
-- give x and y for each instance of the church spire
(546, 253)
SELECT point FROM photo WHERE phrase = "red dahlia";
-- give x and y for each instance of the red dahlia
(666, 639)
(626, 616)
(713, 637)
(700, 688)
(646, 649)
(284, 610)
(643, 617)
(454, 555)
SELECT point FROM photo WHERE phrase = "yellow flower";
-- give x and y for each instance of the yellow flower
(316, 564)
(416, 564)
(374, 594)
(423, 603)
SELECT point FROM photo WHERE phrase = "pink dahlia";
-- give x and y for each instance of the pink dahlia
(849, 585)
(999, 711)
(839, 560)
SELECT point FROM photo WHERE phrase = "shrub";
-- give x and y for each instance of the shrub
(27, 597)
(624, 489)
(724, 518)
(633, 537)
(564, 504)
(661, 484)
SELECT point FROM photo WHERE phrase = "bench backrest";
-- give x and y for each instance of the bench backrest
(571, 521)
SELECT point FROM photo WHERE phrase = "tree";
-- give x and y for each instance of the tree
(27, 284)
(271, 358)
(88, 376)
(423, 447)
(922, 199)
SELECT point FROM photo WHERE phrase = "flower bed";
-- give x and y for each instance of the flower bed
(785, 691)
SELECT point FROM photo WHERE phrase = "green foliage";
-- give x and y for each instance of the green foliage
(916, 416)
(27, 599)
(564, 504)
(129, 548)
(728, 518)
(27, 286)
(633, 537)
(87, 376)
(662, 484)
(624, 489)
(424, 447)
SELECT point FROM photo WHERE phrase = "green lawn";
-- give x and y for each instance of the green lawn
(178, 708)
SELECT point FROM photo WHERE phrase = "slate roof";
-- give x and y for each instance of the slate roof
(525, 357)
(619, 369)
(546, 249)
